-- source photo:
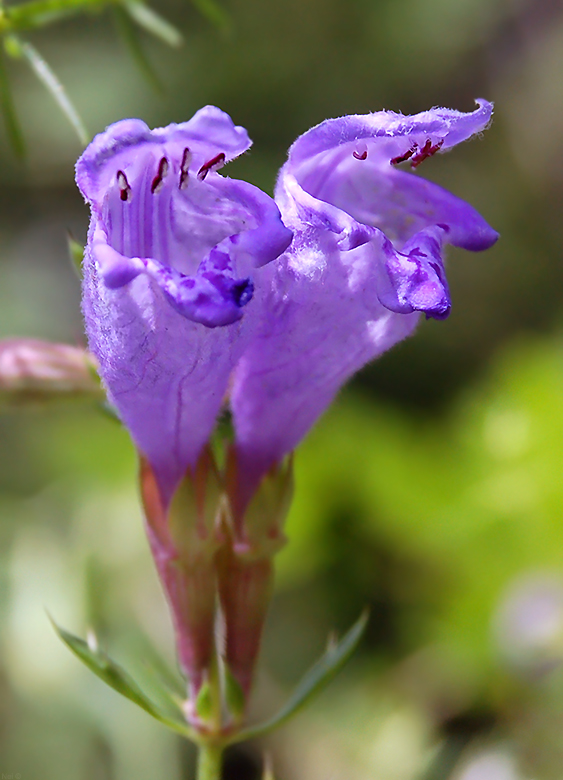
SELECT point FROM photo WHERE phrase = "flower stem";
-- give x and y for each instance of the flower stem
(209, 762)
(211, 749)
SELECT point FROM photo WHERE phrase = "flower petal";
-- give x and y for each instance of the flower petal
(166, 375)
(316, 324)
(415, 278)
(402, 204)
(365, 259)
(208, 133)
(387, 135)
(170, 249)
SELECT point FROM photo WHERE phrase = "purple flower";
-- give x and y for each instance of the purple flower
(184, 306)
(172, 250)
(366, 259)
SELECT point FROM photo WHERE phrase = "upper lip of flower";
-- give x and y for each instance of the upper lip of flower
(161, 208)
(349, 164)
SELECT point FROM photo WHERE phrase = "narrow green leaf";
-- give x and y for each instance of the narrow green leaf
(214, 13)
(38, 13)
(149, 20)
(321, 673)
(13, 129)
(130, 37)
(118, 679)
(166, 685)
(49, 79)
(76, 254)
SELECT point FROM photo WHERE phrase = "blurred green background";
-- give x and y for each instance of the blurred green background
(431, 491)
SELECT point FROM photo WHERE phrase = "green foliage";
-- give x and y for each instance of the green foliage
(118, 679)
(468, 502)
(152, 22)
(37, 14)
(130, 36)
(46, 75)
(214, 13)
(320, 674)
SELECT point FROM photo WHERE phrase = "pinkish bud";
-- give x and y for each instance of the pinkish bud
(33, 371)
(246, 568)
(184, 539)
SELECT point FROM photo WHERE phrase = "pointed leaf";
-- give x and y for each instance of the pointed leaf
(118, 679)
(149, 20)
(166, 686)
(130, 37)
(13, 129)
(49, 79)
(321, 673)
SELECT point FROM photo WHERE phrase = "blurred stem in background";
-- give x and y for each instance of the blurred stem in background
(129, 17)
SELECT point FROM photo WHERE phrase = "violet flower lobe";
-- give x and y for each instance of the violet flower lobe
(366, 260)
(172, 249)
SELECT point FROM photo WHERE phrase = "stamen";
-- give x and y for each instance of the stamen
(185, 164)
(428, 150)
(123, 184)
(360, 155)
(212, 165)
(402, 157)
(158, 180)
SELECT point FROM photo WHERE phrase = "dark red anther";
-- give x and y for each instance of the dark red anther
(124, 188)
(360, 155)
(161, 173)
(212, 165)
(427, 151)
(401, 158)
(184, 166)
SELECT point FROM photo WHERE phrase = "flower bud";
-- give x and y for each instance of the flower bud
(246, 565)
(34, 371)
(184, 539)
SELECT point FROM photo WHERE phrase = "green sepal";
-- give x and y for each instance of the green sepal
(234, 695)
(204, 702)
(318, 676)
(76, 253)
(118, 679)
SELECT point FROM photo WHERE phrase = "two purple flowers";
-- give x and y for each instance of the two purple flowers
(198, 286)
(201, 291)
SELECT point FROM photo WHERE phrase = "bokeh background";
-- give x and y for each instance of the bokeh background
(432, 490)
